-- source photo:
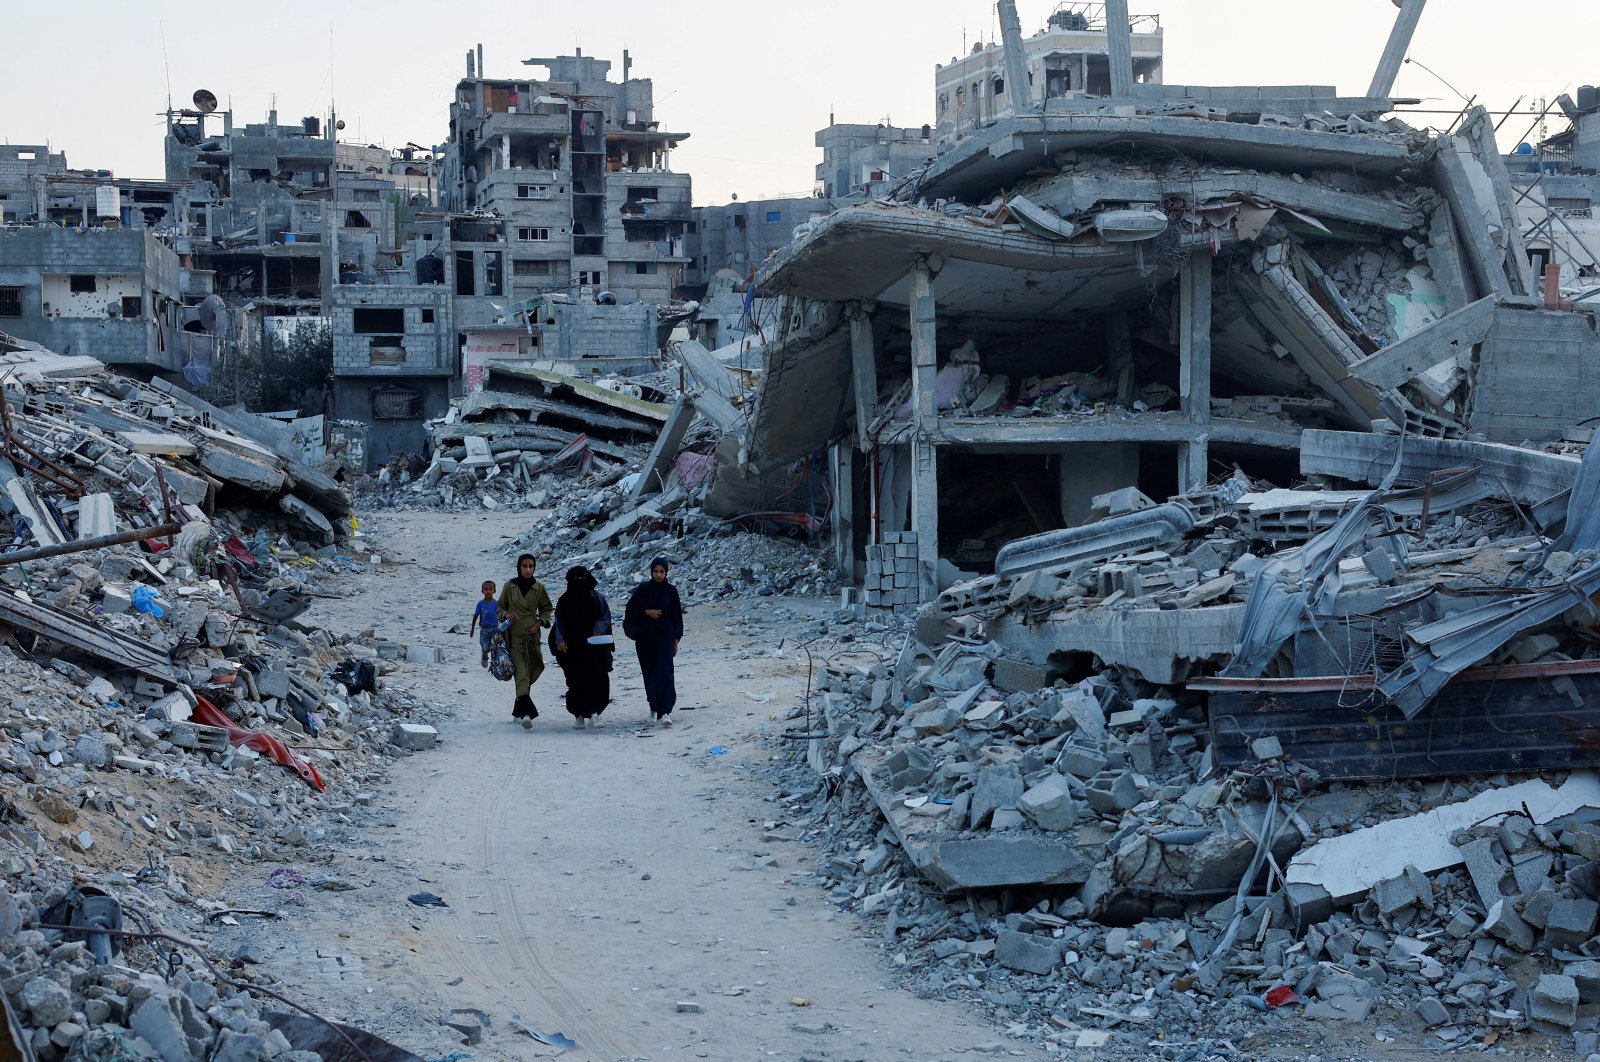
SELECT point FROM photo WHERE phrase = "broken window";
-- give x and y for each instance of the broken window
(643, 192)
(532, 234)
(534, 191)
(379, 320)
(132, 305)
(1570, 206)
(81, 284)
(357, 219)
(394, 403)
(944, 103)
(589, 276)
(10, 302)
(999, 85)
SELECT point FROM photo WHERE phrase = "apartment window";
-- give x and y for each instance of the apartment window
(644, 267)
(81, 284)
(643, 192)
(374, 320)
(529, 267)
(10, 302)
(774, 215)
(589, 276)
(999, 85)
(394, 403)
(133, 306)
(427, 316)
(531, 234)
(533, 191)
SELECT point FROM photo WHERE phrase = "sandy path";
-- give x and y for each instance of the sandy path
(595, 879)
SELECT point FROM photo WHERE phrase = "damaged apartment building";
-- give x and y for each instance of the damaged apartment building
(1140, 284)
(559, 231)
(84, 266)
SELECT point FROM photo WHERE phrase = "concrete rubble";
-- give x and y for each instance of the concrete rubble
(1240, 473)
(163, 709)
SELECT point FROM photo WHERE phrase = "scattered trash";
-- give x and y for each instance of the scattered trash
(427, 899)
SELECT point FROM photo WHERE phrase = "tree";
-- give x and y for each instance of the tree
(287, 368)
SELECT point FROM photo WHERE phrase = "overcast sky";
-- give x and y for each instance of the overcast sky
(751, 82)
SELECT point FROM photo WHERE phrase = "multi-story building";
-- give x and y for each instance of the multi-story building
(101, 290)
(865, 161)
(568, 185)
(1069, 59)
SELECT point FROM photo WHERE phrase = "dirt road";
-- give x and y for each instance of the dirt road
(611, 885)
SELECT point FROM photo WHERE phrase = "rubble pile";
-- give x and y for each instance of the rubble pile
(1072, 858)
(163, 708)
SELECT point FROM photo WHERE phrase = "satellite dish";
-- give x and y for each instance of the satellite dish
(339, 124)
(205, 101)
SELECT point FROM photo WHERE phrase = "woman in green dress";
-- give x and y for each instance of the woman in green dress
(525, 602)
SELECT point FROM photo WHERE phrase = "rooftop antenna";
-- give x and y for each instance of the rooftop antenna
(166, 64)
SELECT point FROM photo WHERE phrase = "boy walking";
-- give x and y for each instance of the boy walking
(485, 620)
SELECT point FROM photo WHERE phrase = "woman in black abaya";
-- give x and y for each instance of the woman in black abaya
(581, 641)
(654, 620)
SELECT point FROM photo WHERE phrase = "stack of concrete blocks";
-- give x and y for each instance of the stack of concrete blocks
(892, 571)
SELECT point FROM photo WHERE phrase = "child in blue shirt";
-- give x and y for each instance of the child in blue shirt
(486, 621)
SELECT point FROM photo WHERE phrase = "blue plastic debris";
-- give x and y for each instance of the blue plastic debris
(718, 750)
(144, 599)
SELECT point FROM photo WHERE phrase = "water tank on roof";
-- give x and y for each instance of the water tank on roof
(1588, 97)
(311, 124)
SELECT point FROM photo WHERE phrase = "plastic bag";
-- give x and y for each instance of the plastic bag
(500, 665)
(144, 599)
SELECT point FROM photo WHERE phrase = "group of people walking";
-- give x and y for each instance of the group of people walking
(579, 634)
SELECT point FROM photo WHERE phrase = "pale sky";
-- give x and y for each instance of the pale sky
(751, 82)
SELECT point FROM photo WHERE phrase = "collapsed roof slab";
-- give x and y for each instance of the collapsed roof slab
(1002, 155)
(805, 398)
(1291, 315)
(1051, 434)
(866, 253)
(1077, 193)
(1520, 474)
(1450, 338)
(1159, 644)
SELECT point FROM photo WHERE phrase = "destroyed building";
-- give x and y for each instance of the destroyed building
(1070, 58)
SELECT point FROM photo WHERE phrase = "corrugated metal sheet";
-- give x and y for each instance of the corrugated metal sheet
(1528, 717)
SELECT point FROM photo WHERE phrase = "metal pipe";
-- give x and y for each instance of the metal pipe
(80, 545)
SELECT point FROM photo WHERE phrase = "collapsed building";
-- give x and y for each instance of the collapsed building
(1233, 454)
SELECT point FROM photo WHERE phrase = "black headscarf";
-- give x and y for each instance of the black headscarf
(524, 585)
(660, 562)
(578, 610)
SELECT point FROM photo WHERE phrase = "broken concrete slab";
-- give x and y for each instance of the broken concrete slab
(1520, 474)
(1349, 865)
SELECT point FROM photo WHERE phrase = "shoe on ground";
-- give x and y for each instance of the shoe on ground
(485, 661)
(666, 720)
(577, 721)
(527, 724)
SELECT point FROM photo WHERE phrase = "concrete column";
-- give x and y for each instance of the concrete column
(1119, 48)
(1091, 469)
(1394, 53)
(864, 368)
(505, 151)
(842, 469)
(1017, 90)
(1194, 362)
(924, 422)
(1119, 357)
